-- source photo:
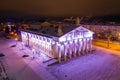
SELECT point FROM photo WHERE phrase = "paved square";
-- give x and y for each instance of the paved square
(103, 64)
(100, 65)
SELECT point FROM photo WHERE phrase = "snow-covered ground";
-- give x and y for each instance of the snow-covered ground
(103, 64)
(100, 65)
(19, 68)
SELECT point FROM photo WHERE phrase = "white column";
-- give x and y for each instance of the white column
(65, 51)
(80, 47)
(70, 50)
(83, 46)
(90, 44)
(54, 49)
(40, 44)
(59, 52)
(86, 45)
(75, 48)
(45, 45)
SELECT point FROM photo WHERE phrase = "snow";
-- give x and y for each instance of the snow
(103, 64)
(19, 68)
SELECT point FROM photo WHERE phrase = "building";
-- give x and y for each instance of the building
(101, 31)
(59, 42)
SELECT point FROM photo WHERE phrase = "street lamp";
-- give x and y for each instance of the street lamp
(22, 45)
(16, 39)
(43, 57)
(33, 51)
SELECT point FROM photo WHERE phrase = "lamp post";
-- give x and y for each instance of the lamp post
(16, 39)
(33, 51)
(43, 57)
(22, 45)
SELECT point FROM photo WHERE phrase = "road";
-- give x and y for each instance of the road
(112, 45)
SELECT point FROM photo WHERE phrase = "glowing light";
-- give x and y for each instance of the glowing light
(68, 38)
(15, 34)
(119, 34)
(33, 50)
(88, 34)
(12, 33)
(22, 43)
(65, 43)
(79, 39)
(62, 39)
(14, 30)
(9, 25)
(58, 44)
(53, 42)
(75, 40)
(71, 42)
(16, 39)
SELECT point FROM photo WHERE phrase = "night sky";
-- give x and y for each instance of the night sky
(59, 7)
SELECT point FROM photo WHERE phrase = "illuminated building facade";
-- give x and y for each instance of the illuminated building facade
(64, 44)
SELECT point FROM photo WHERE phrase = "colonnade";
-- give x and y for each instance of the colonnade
(55, 49)
(39, 43)
(73, 48)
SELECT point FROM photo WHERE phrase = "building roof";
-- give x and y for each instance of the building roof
(53, 31)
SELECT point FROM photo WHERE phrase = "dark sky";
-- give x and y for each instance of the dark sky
(59, 7)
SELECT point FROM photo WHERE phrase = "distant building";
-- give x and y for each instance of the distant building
(45, 24)
(114, 29)
(35, 26)
(60, 43)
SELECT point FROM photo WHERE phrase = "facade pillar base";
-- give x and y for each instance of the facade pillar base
(70, 56)
(79, 53)
(59, 60)
(74, 54)
(65, 58)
